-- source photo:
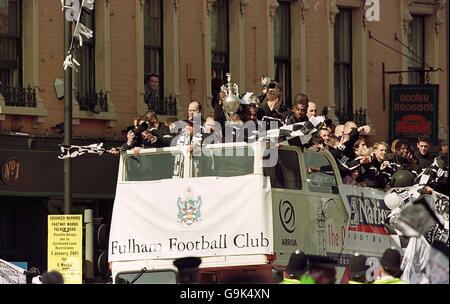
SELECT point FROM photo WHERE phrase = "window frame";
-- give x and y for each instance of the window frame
(416, 75)
(344, 106)
(159, 49)
(284, 61)
(150, 158)
(220, 67)
(269, 171)
(328, 157)
(14, 66)
(85, 78)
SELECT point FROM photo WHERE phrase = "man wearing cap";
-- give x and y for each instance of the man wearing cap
(358, 269)
(390, 268)
(295, 272)
(187, 269)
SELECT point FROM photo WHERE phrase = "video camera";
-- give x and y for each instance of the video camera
(140, 129)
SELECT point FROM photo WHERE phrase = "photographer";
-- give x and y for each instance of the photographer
(160, 131)
(140, 137)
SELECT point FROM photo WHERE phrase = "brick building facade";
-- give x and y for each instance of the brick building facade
(188, 32)
(324, 48)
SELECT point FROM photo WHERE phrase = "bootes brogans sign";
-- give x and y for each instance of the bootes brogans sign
(414, 111)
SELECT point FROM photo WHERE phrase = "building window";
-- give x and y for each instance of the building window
(10, 46)
(282, 44)
(220, 39)
(416, 45)
(343, 71)
(153, 39)
(85, 77)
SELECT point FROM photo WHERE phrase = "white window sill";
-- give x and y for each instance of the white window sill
(39, 111)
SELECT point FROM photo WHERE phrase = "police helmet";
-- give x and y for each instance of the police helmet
(402, 178)
(298, 263)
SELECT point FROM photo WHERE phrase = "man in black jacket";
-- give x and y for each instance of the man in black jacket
(298, 112)
(269, 109)
(436, 175)
(422, 155)
(161, 131)
(377, 173)
(403, 158)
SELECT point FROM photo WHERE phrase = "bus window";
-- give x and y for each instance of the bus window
(286, 173)
(153, 167)
(321, 177)
(223, 162)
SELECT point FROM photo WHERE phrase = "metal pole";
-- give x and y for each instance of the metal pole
(448, 55)
(89, 245)
(67, 120)
(447, 42)
(383, 70)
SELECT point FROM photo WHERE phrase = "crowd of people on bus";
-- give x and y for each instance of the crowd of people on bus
(359, 163)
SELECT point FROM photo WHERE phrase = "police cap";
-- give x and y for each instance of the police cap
(357, 265)
(391, 261)
(187, 263)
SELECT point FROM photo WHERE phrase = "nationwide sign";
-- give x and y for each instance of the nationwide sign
(414, 111)
(202, 217)
(368, 213)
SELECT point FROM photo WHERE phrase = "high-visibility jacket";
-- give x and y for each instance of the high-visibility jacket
(354, 282)
(389, 281)
(290, 281)
(305, 279)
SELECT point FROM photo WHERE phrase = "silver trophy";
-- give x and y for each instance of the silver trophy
(232, 100)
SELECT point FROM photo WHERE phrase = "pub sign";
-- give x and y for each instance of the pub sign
(413, 111)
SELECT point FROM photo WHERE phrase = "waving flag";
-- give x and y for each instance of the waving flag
(75, 151)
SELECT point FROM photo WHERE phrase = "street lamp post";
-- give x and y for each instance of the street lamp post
(67, 120)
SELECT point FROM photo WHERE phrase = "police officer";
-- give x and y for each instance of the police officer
(322, 269)
(296, 269)
(390, 268)
(187, 269)
(358, 269)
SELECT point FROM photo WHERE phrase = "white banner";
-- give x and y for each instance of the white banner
(191, 217)
(11, 274)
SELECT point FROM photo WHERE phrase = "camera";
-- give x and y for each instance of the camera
(268, 82)
(141, 128)
(153, 131)
(137, 132)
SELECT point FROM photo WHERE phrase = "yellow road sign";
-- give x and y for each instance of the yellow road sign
(65, 237)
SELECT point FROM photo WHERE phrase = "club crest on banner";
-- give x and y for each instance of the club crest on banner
(189, 208)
